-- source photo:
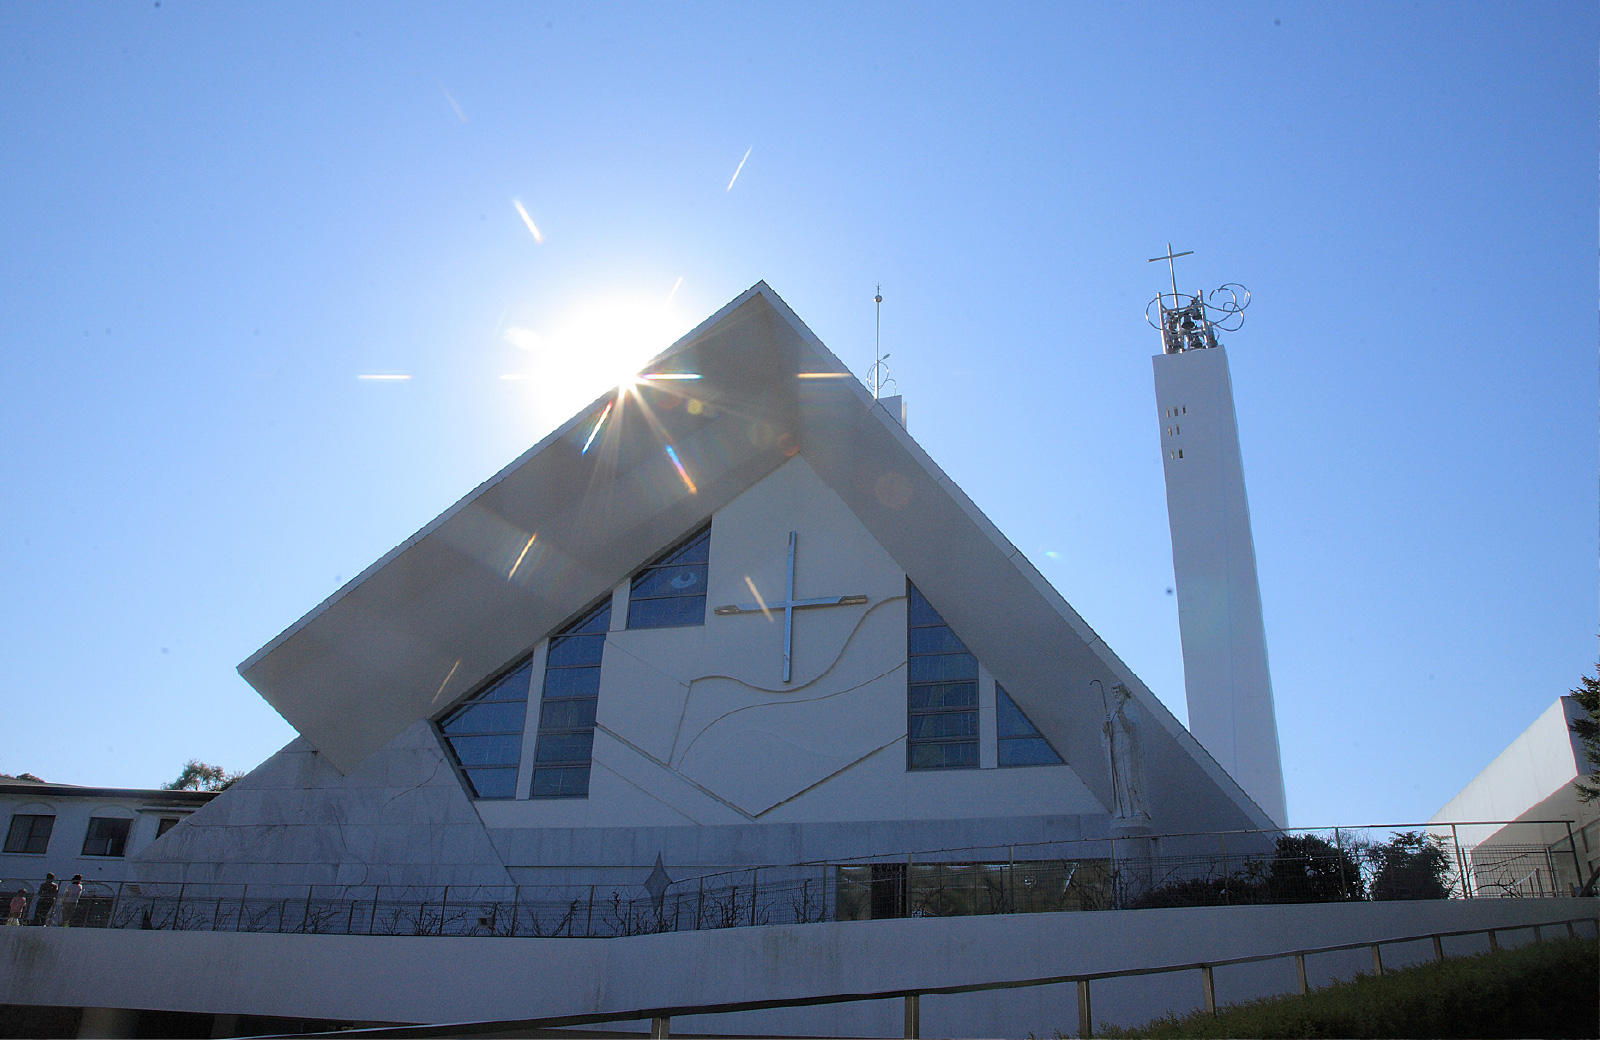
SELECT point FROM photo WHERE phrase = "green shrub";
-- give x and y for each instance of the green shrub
(1549, 989)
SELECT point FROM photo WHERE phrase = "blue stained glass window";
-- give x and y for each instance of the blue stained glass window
(484, 733)
(941, 691)
(565, 748)
(672, 591)
(1020, 742)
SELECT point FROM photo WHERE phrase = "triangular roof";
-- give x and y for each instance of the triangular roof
(469, 592)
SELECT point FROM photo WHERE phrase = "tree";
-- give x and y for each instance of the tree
(201, 776)
(21, 776)
(1587, 727)
(1410, 865)
(1309, 869)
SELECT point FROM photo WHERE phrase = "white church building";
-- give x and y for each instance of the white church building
(731, 616)
(726, 648)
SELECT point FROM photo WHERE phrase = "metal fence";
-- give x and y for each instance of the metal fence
(1378, 862)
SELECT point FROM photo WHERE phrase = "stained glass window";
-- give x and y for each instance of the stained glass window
(1020, 742)
(941, 689)
(485, 733)
(564, 751)
(672, 590)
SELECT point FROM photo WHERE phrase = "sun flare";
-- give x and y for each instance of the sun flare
(594, 346)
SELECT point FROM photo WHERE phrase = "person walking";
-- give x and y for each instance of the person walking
(45, 901)
(69, 901)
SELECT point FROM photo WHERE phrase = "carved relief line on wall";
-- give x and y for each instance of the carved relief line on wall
(752, 817)
(786, 702)
(789, 694)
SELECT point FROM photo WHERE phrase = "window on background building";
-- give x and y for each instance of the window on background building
(165, 824)
(485, 733)
(563, 753)
(672, 590)
(1020, 742)
(29, 833)
(108, 836)
(941, 691)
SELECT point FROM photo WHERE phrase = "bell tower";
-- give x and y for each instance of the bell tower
(1226, 678)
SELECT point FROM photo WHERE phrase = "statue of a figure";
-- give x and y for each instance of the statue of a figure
(1127, 767)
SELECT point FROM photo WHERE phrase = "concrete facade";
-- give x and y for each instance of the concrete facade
(1226, 676)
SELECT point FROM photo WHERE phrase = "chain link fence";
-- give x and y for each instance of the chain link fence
(1214, 869)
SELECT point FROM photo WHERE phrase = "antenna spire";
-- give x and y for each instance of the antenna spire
(878, 374)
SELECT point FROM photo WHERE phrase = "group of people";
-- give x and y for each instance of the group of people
(53, 904)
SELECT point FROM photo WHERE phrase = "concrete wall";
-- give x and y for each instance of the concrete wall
(1541, 762)
(399, 818)
(410, 979)
(1531, 780)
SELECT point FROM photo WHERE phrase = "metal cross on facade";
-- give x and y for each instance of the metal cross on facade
(1172, 268)
(788, 606)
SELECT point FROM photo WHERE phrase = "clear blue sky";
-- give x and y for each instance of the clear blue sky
(217, 216)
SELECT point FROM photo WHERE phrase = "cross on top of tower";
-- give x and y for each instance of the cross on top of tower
(1172, 268)
(1192, 322)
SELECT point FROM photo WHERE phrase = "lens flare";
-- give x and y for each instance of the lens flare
(760, 602)
(522, 556)
(537, 237)
(596, 431)
(440, 692)
(739, 168)
(683, 473)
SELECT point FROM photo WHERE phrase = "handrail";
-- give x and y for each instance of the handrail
(660, 1016)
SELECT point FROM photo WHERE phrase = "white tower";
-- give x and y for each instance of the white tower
(1213, 554)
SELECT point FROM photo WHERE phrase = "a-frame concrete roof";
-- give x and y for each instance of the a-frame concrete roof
(558, 528)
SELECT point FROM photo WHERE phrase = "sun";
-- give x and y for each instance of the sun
(594, 346)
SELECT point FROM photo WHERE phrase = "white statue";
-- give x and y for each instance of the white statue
(1127, 766)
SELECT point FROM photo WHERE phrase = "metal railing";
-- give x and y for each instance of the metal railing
(1339, 864)
(660, 1018)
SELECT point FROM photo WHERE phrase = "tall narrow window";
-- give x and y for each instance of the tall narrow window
(672, 590)
(485, 733)
(29, 833)
(941, 689)
(565, 748)
(1020, 742)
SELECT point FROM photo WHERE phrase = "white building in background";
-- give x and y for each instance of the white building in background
(1225, 673)
(66, 830)
(1532, 782)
